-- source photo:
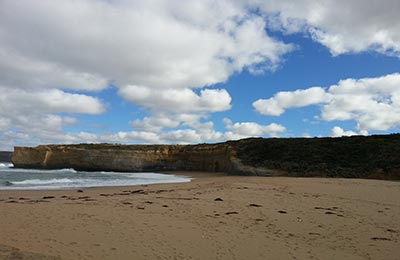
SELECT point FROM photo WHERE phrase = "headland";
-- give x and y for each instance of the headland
(350, 157)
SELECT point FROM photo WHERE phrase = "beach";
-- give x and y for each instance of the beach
(212, 217)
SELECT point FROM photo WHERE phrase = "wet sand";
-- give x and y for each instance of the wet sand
(212, 217)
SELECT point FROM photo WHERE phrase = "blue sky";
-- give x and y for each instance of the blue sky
(199, 71)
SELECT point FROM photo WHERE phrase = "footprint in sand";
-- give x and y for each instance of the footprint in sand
(11, 201)
(231, 213)
(48, 197)
(380, 239)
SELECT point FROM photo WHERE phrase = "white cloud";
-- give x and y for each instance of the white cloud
(339, 132)
(252, 129)
(30, 114)
(52, 132)
(21, 101)
(277, 105)
(5, 123)
(165, 56)
(33, 111)
(343, 26)
(178, 100)
(156, 53)
(182, 136)
(154, 124)
(166, 124)
(154, 43)
(26, 73)
(133, 136)
(373, 103)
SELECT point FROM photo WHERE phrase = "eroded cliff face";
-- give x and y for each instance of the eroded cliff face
(350, 157)
(136, 158)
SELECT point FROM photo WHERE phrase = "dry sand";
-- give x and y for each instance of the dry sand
(213, 217)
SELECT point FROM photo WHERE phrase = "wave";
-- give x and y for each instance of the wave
(70, 183)
(43, 182)
(6, 165)
(10, 167)
(66, 170)
(138, 175)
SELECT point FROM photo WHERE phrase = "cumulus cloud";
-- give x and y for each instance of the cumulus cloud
(339, 132)
(4, 123)
(277, 105)
(177, 136)
(373, 103)
(21, 101)
(165, 56)
(26, 73)
(178, 100)
(154, 124)
(159, 54)
(251, 129)
(342, 26)
(196, 130)
(35, 110)
(157, 43)
(31, 114)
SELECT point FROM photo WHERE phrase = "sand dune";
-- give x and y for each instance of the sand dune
(213, 217)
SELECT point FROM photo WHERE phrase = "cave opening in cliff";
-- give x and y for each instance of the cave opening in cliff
(216, 166)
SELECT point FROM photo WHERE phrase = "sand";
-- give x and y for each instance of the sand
(212, 217)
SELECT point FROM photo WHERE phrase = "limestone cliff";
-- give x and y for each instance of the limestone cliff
(354, 157)
(108, 157)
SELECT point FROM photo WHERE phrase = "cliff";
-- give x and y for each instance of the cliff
(136, 158)
(355, 157)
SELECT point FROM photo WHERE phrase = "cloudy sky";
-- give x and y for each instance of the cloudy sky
(155, 71)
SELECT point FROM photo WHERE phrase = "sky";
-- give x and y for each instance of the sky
(162, 72)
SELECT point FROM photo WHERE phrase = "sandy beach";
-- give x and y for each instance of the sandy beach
(212, 217)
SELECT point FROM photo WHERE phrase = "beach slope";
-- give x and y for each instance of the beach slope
(212, 217)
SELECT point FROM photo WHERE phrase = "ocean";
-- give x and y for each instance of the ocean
(31, 179)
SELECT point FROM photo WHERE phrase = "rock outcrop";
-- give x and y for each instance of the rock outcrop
(136, 158)
(354, 157)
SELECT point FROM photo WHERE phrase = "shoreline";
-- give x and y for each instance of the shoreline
(211, 217)
(70, 179)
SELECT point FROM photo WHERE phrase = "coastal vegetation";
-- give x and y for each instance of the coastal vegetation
(375, 156)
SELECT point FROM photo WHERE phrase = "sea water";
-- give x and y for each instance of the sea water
(30, 179)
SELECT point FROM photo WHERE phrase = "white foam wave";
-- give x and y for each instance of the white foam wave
(6, 165)
(139, 175)
(70, 183)
(67, 170)
(43, 182)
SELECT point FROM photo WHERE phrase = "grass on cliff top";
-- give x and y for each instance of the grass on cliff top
(356, 156)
